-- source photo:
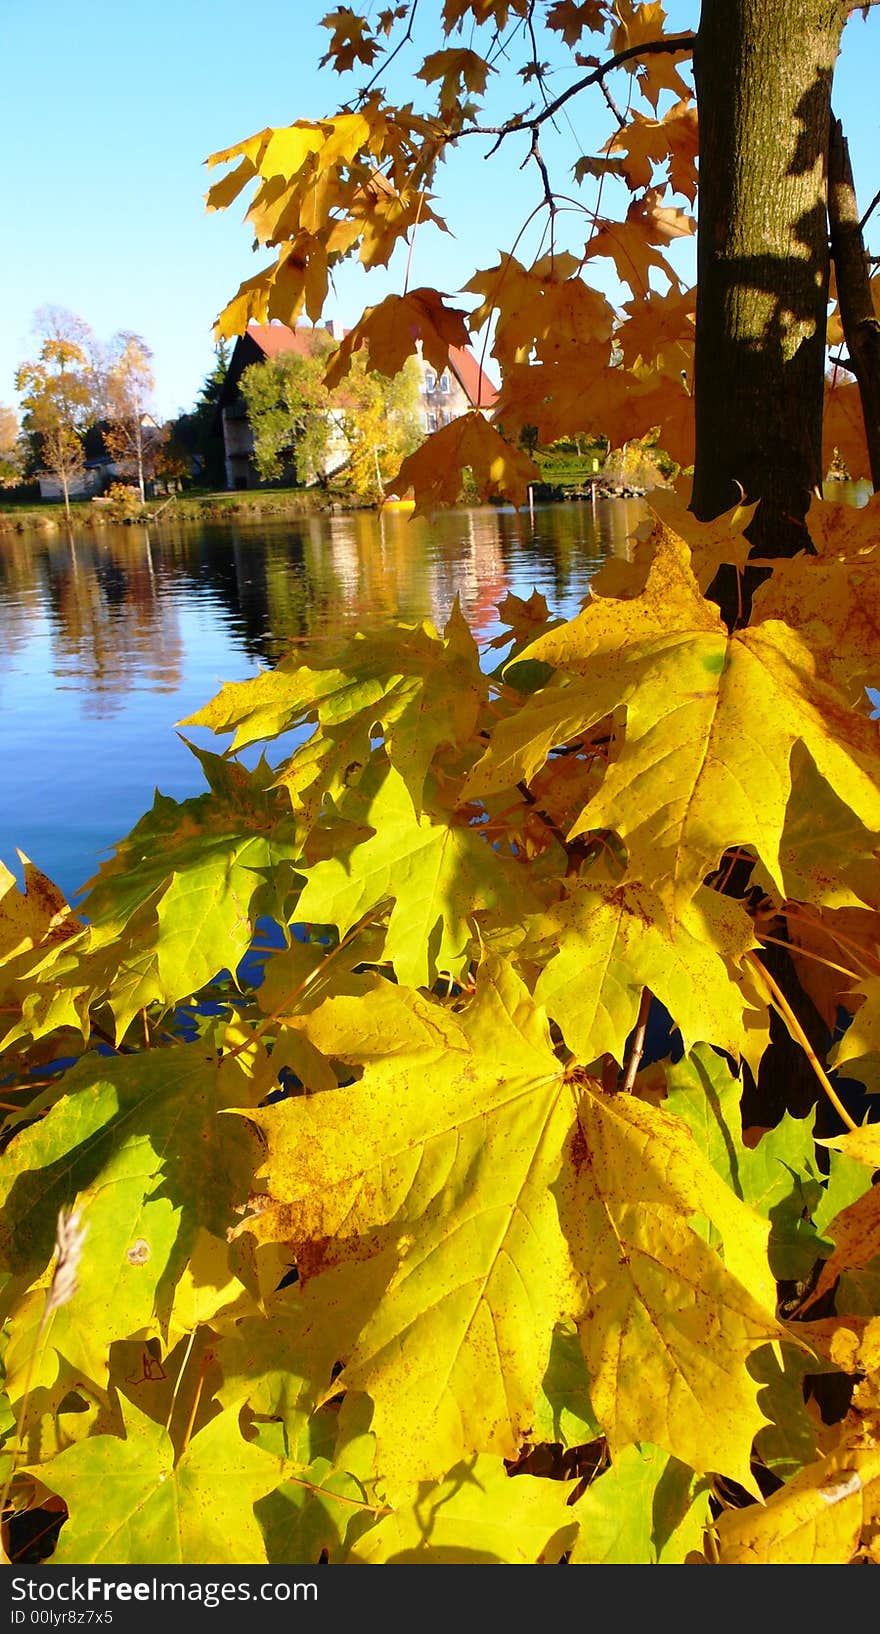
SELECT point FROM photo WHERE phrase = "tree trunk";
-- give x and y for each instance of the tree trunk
(763, 74)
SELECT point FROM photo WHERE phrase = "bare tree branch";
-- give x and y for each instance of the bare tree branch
(870, 211)
(519, 122)
(637, 1047)
(861, 328)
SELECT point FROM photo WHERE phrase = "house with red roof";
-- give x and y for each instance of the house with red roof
(445, 395)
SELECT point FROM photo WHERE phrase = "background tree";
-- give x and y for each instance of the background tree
(365, 427)
(59, 396)
(381, 422)
(196, 435)
(132, 438)
(289, 410)
(11, 453)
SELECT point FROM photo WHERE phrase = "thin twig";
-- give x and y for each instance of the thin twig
(387, 61)
(870, 210)
(651, 48)
(637, 1047)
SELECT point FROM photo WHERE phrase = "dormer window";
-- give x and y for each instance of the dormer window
(430, 382)
(444, 382)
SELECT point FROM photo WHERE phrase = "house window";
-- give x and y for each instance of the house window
(430, 382)
(430, 422)
(444, 382)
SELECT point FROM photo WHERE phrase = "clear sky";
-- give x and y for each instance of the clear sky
(109, 110)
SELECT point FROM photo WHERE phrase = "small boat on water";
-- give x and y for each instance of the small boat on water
(393, 502)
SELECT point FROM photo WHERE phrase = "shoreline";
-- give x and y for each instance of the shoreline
(215, 506)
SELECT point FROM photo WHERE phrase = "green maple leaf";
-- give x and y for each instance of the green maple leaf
(437, 869)
(130, 1504)
(647, 1509)
(137, 1146)
(176, 904)
(777, 1177)
(711, 721)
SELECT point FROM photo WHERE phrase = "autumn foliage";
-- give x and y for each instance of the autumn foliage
(442, 1196)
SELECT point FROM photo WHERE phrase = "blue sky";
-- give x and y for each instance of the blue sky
(109, 111)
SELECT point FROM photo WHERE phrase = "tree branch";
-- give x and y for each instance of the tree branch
(651, 48)
(861, 328)
(870, 210)
(637, 1047)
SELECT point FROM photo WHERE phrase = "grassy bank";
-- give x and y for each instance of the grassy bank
(189, 507)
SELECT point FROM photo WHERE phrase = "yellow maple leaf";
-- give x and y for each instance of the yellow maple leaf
(602, 944)
(661, 223)
(648, 143)
(572, 18)
(543, 310)
(659, 72)
(843, 429)
(657, 324)
(382, 220)
(835, 606)
(505, 1196)
(639, 22)
(663, 1313)
(482, 11)
(815, 1519)
(710, 543)
(434, 471)
(704, 708)
(581, 391)
(628, 244)
(391, 332)
(842, 530)
(35, 917)
(456, 69)
(350, 40)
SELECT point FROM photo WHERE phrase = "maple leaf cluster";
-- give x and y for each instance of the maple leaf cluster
(425, 1097)
(410, 1116)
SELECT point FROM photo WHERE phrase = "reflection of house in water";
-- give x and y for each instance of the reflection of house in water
(462, 386)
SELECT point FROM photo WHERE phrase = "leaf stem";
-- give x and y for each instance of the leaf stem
(783, 1008)
(203, 1368)
(178, 1380)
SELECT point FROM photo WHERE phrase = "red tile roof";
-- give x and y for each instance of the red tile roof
(274, 338)
(474, 379)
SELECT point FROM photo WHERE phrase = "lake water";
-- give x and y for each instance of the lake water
(108, 641)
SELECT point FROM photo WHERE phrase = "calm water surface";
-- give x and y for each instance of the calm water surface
(108, 641)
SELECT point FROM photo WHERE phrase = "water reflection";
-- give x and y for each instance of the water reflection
(109, 639)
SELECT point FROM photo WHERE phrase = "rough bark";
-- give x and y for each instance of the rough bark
(861, 328)
(763, 72)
